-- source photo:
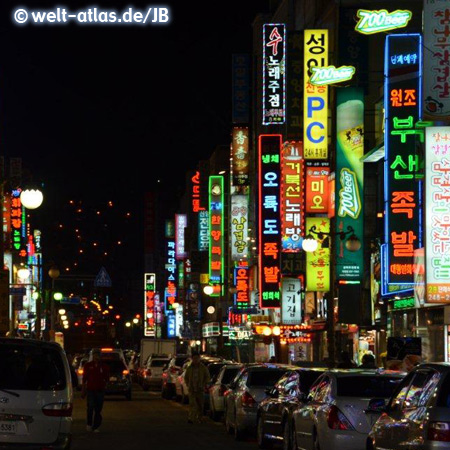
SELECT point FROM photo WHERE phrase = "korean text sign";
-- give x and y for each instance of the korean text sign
(349, 179)
(291, 303)
(315, 98)
(180, 225)
(291, 197)
(170, 291)
(149, 307)
(216, 229)
(269, 220)
(403, 167)
(242, 283)
(240, 156)
(436, 26)
(437, 248)
(239, 227)
(317, 188)
(318, 262)
(274, 77)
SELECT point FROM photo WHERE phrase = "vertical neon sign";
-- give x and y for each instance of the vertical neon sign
(149, 304)
(403, 166)
(216, 209)
(269, 220)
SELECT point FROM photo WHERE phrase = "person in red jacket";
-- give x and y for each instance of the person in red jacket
(95, 377)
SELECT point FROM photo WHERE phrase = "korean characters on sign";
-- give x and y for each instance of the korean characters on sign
(239, 227)
(170, 292)
(203, 231)
(196, 206)
(180, 225)
(241, 281)
(216, 209)
(315, 98)
(437, 248)
(269, 220)
(291, 197)
(436, 35)
(16, 222)
(291, 303)
(240, 156)
(274, 76)
(316, 188)
(149, 307)
(403, 167)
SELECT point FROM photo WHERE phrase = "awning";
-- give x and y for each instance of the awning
(374, 155)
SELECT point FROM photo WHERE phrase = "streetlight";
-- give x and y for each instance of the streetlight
(31, 198)
(353, 244)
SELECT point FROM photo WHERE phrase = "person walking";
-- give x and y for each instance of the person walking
(196, 378)
(95, 377)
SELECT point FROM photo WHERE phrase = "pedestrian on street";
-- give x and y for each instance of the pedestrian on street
(95, 377)
(368, 362)
(196, 378)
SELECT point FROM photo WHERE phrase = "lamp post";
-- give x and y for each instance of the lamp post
(310, 245)
(53, 273)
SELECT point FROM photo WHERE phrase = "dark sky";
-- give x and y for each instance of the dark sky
(100, 112)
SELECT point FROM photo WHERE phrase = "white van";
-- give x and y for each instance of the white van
(36, 396)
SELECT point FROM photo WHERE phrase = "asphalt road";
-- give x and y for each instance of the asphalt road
(149, 422)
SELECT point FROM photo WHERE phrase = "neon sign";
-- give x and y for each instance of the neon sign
(203, 231)
(291, 305)
(274, 77)
(403, 167)
(371, 22)
(170, 292)
(317, 188)
(240, 156)
(196, 207)
(149, 304)
(180, 225)
(315, 103)
(269, 220)
(241, 281)
(216, 227)
(322, 76)
(239, 227)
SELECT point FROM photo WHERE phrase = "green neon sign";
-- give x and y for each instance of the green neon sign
(322, 76)
(216, 230)
(371, 22)
(404, 303)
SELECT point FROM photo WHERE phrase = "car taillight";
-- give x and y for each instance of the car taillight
(247, 400)
(58, 409)
(147, 372)
(222, 390)
(80, 371)
(337, 421)
(439, 431)
(125, 372)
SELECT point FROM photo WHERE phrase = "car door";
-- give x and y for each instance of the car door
(306, 419)
(271, 406)
(291, 399)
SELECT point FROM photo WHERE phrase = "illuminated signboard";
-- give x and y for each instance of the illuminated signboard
(269, 220)
(180, 225)
(7, 220)
(149, 304)
(350, 179)
(241, 281)
(437, 213)
(291, 301)
(171, 325)
(239, 227)
(203, 231)
(170, 292)
(17, 223)
(371, 22)
(318, 262)
(274, 77)
(436, 75)
(298, 333)
(403, 167)
(196, 207)
(240, 156)
(316, 187)
(179, 321)
(315, 98)
(216, 226)
(291, 197)
(404, 303)
(322, 76)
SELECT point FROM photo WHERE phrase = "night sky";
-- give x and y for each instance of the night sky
(99, 113)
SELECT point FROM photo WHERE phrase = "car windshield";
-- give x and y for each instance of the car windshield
(229, 375)
(264, 378)
(116, 367)
(158, 362)
(31, 367)
(366, 386)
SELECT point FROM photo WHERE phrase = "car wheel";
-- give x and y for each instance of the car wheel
(263, 442)
(286, 436)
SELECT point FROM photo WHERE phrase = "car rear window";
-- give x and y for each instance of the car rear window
(214, 369)
(158, 362)
(31, 367)
(230, 374)
(443, 400)
(264, 378)
(116, 367)
(307, 379)
(366, 386)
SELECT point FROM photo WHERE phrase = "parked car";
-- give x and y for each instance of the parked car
(341, 408)
(170, 374)
(109, 354)
(119, 378)
(418, 414)
(246, 391)
(213, 369)
(152, 374)
(36, 395)
(275, 412)
(219, 386)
